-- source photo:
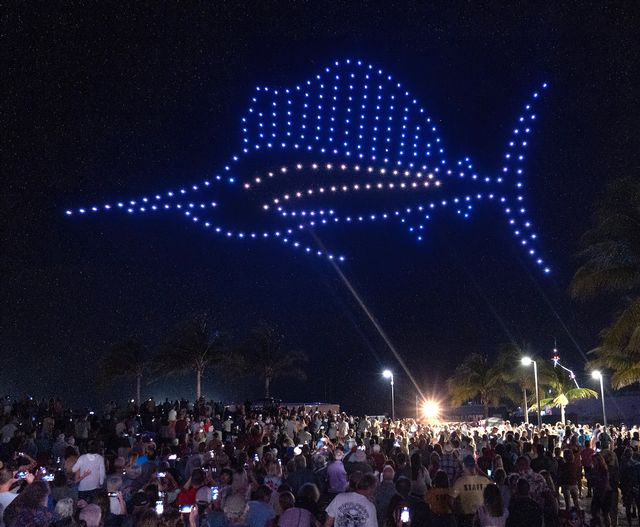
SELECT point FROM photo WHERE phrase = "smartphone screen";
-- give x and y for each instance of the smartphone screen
(185, 508)
(21, 475)
(404, 515)
(215, 491)
(160, 507)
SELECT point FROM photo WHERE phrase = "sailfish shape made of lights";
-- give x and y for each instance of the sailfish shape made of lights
(359, 149)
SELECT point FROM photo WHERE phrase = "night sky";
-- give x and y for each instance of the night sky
(106, 101)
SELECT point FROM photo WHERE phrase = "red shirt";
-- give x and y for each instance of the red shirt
(187, 497)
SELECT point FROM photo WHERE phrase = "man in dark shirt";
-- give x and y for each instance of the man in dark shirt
(523, 510)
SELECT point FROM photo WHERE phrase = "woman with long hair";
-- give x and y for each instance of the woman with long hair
(492, 512)
(420, 479)
(29, 507)
(601, 501)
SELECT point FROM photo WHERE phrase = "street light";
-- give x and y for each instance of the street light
(388, 374)
(598, 375)
(526, 361)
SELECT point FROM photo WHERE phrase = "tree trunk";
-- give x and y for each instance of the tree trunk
(526, 408)
(138, 382)
(267, 384)
(562, 414)
(486, 410)
(198, 383)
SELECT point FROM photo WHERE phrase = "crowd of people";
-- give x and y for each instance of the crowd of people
(207, 465)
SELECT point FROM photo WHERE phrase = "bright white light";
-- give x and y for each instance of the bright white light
(387, 374)
(596, 374)
(526, 361)
(431, 409)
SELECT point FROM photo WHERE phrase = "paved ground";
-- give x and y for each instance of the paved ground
(585, 504)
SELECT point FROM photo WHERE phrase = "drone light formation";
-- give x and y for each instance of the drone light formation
(333, 144)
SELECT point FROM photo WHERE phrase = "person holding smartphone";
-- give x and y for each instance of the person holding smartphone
(8, 480)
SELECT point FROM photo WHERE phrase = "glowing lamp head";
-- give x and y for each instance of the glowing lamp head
(526, 361)
(596, 374)
(430, 409)
(387, 374)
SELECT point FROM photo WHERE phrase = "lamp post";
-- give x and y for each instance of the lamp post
(598, 375)
(526, 361)
(388, 374)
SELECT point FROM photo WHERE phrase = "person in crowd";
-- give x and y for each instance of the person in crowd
(468, 492)
(29, 508)
(440, 501)
(537, 484)
(291, 515)
(145, 465)
(354, 507)
(300, 475)
(419, 511)
(568, 475)
(336, 474)
(420, 479)
(524, 511)
(492, 512)
(602, 494)
(629, 483)
(187, 495)
(90, 472)
(259, 510)
(384, 492)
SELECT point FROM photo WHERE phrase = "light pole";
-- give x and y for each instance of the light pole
(598, 375)
(388, 374)
(526, 361)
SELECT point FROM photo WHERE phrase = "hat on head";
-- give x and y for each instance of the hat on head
(468, 461)
(203, 495)
(91, 515)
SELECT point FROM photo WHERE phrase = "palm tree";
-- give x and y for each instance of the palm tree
(265, 357)
(612, 265)
(194, 346)
(563, 390)
(510, 363)
(476, 377)
(620, 348)
(126, 359)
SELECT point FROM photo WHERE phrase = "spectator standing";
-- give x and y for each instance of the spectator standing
(354, 508)
(259, 510)
(90, 472)
(524, 511)
(468, 492)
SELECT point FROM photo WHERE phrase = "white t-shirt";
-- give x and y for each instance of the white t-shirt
(486, 520)
(351, 508)
(6, 498)
(94, 463)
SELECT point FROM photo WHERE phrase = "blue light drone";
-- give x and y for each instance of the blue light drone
(359, 149)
